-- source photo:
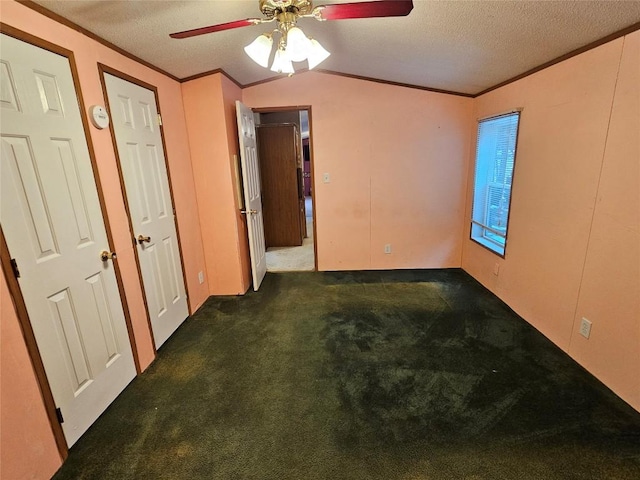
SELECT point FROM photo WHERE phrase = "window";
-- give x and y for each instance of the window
(495, 158)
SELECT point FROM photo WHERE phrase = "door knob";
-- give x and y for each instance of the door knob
(142, 239)
(107, 255)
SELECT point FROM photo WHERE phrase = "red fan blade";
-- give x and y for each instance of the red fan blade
(380, 8)
(216, 28)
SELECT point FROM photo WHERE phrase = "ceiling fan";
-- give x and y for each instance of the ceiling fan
(294, 45)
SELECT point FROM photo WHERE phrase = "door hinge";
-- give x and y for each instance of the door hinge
(14, 267)
(159, 119)
(59, 415)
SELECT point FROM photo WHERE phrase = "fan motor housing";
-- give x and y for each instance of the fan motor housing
(271, 8)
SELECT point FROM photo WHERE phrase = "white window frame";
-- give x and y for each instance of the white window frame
(494, 237)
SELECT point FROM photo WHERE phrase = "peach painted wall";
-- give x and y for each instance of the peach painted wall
(610, 289)
(25, 433)
(573, 233)
(88, 54)
(397, 160)
(208, 104)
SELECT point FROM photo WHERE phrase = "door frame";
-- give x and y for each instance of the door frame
(103, 69)
(5, 256)
(297, 108)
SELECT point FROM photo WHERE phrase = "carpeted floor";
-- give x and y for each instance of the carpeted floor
(403, 375)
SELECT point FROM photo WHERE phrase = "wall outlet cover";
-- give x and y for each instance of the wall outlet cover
(585, 328)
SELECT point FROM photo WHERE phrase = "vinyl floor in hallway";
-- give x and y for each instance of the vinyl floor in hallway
(401, 375)
(295, 259)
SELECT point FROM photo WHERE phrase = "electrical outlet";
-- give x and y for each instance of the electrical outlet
(326, 178)
(387, 248)
(585, 328)
(201, 277)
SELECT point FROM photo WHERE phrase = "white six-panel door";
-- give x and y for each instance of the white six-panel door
(52, 220)
(252, 192)
(135, 121)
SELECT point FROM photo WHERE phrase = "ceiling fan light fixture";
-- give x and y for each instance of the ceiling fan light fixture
(260, 49)
(298, 45)
(317, 54)
(294, 45)
(281, 63)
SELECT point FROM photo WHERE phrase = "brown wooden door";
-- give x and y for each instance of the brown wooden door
(278, 154)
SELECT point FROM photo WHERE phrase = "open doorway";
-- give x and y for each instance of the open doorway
(285, 158)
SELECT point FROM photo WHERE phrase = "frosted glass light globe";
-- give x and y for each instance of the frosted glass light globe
(298, 45)
(317, 54)
(259, 50)
(281, 63)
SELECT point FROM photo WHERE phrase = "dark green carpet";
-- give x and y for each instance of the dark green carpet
(370, 375)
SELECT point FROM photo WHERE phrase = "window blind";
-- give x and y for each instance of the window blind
(495, 159)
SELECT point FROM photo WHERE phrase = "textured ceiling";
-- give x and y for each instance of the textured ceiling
(461, 46)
